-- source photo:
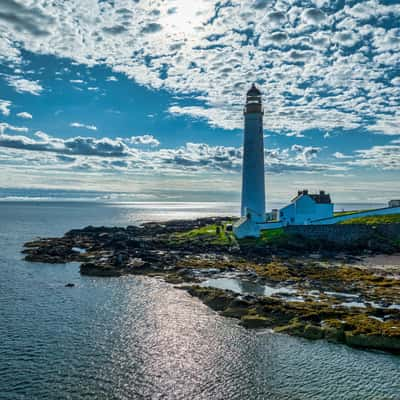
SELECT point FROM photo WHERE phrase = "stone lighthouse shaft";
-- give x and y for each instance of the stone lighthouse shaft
(253, 177)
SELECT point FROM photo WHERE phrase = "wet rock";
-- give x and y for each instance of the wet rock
(70, 285)
(313, 332)
(92, 269)
(373, 341)
(295, 328)
(234, 312)
(255, 321)
(334, 335)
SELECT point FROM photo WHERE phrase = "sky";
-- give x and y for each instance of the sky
(146, 98)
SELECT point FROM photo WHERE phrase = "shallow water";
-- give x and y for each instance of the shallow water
(244, 286)
(139, 338)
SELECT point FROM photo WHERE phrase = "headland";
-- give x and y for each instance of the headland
(286, 280)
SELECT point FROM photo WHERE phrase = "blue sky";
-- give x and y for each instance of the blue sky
(146, 97)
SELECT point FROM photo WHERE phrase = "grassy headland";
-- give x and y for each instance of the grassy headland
(374, 220)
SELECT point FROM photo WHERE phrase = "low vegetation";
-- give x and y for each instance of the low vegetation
(212, 234)
(342, 213)
(267, 237)
(375, 220)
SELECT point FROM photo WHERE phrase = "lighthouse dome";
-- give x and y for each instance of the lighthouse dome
(253, 91)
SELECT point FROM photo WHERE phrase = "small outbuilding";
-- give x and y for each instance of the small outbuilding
(394, 203)
(305, 208)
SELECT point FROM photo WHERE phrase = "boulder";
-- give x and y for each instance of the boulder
(255, 321)
(313, 332)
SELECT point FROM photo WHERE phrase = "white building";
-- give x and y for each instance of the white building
(306, 208)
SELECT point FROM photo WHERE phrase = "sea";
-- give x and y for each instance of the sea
(141, 338)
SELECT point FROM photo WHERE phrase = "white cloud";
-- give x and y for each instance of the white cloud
(79, 125)
(314, 16)
(22, 85)
(107, 154)
(24, 115)
(4, 126)
(340, 155)
(5, 107)
(383, 157)
(305, 153)
(320, 66)
(295, 134)
(147, 140)
(220, 117)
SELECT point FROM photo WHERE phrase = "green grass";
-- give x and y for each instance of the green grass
(207, 234)
(341, 213)
(267, 237)
(374, 220)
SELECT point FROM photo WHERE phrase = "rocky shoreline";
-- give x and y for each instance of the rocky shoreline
(281, 283)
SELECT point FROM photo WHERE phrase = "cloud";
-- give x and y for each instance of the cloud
(25, 18)
(87, 146)
(346, 38)
(320, 64)
(22, 85)
(382, 157)
(108, 154)
(305, 153)
(5, 126)
(24, 115)
(387, 124)
(314, 16)
(151, 28)
(5, 107)
(112, 79)
(79, 125)
(215, 116)
(340, 155)
(147, 140)
(295, 134)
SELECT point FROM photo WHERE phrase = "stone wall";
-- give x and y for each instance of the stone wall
(346, 235)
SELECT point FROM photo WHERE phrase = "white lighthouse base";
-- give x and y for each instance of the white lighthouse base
(248, 228)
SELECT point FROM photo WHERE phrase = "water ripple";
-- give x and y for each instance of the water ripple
(139, 338)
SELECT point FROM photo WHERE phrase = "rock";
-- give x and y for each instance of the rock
(70, 285)
(92, 269)
(313, 332)
(234, 312)
(389, 343)
(255, 321)
(218, 302)
(335, 335)
(295, 328)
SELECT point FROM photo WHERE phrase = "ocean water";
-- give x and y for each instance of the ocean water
(139, 338)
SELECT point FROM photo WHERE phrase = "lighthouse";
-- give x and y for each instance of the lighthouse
(253, 175)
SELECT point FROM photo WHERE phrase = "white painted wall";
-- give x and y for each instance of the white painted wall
(304, 210)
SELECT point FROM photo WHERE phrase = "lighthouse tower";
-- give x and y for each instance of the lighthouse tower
(253, 178)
